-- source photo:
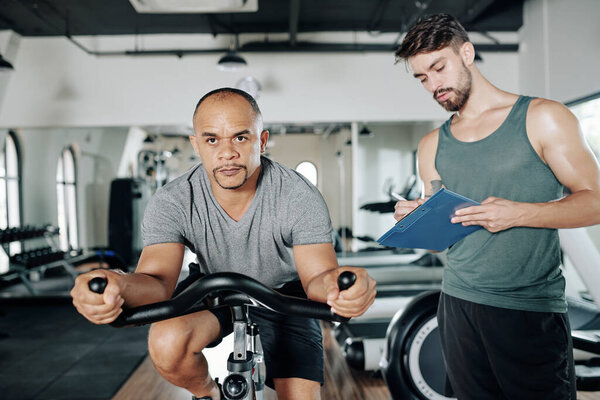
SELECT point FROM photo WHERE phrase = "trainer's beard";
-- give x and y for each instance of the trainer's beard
(235, 186)
(462, 92)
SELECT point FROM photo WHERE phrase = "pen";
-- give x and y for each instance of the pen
(397, 197)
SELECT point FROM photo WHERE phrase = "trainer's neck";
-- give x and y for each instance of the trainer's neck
(484, 96)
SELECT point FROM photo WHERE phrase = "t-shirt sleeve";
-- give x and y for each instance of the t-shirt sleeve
(310, 217)
(163, 220)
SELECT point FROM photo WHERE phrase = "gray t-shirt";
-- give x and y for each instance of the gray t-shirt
(287, 210)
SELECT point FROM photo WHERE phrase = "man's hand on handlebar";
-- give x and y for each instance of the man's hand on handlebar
(353, 301)
(403, 207)
(99, 309)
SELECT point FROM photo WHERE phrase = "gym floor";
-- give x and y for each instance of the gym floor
(341, 382)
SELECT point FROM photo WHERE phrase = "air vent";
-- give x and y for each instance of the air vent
(194, 6)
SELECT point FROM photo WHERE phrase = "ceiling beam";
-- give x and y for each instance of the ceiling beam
(283, 47)
(302, 47)
(477, 8)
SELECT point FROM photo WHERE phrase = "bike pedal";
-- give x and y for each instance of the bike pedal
(220, 388)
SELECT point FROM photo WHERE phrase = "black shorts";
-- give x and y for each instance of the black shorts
(293, 346)
(498, 353)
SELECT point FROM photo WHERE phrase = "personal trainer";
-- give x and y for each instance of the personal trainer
(237, 211)
(502, 314)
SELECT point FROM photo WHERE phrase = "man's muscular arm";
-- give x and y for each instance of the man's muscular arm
(154, 280)
(318, 270)
(555, 134)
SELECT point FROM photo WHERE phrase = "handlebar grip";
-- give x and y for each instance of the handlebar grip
(346, 279)
(97, 284)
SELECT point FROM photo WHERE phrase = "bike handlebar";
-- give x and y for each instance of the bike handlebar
(227, 288)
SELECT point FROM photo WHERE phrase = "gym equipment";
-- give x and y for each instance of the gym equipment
(245, 379)
(412, 363)
(399, 277)
(128, 200)
(38, 260)
(410, 191)
(407, 349)
(40, 252)
(583, 315)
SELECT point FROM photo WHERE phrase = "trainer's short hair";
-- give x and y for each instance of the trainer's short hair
(430, 34)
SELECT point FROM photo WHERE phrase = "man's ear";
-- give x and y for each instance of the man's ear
(194, 142)
(467, 53)
(264, 137)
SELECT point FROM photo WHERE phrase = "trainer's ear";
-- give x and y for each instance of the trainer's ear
(467, 53)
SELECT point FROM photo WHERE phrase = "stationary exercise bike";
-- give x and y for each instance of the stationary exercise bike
(245, 365)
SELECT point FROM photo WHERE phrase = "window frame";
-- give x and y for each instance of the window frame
(593, 97)
(67, 239)
(15, 247)
(316, 183)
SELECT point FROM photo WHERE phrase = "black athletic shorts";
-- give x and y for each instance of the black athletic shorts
(498, 353)
(293, 346)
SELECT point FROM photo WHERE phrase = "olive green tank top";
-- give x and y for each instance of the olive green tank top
(517, 268)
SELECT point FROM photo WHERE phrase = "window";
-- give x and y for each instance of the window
(309, 170)
(10, 192)
(66, 192)
(588, 113)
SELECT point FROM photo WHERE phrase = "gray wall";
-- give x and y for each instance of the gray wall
(335, 185)
(560, 50)
(387, 156)
(98, 152)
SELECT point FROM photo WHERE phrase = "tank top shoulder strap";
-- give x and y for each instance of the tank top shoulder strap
(444, 131)
(519, 109)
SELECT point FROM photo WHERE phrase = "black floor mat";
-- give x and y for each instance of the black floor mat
(51, 352)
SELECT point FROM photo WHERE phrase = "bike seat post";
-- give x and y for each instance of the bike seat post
(240, 337)
(238, 384)
(259, 375)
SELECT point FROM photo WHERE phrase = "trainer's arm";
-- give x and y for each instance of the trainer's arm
(318, 270)
(154, 280)
(557, 138)
(432, 182)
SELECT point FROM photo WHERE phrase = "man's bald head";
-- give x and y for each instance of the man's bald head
(225, 93)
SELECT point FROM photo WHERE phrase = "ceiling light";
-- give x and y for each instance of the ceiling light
(5, 66)
(365, 132)
(194, 6)
(250, 86)
(231, 61)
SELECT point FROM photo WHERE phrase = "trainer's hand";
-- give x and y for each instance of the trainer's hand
(494, 214)
(404, 207)
(98, 308)
(353, 301)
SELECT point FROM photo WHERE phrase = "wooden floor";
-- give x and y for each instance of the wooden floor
(341, 383)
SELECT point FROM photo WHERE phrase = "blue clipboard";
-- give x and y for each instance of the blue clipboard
(428, 226)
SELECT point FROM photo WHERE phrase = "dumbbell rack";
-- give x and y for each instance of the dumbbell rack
(36, 260)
